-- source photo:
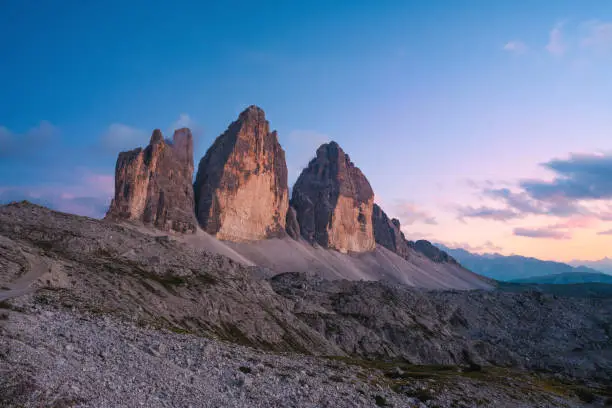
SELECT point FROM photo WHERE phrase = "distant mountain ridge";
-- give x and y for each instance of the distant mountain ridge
(515, 267)
(568, 278)
(603, 265)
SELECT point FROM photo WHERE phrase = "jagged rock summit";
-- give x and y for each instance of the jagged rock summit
(241, 195)
(241, 191)
(153, 185)
(334, 202)
(388, 233)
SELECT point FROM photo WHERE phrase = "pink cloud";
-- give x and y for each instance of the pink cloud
(102, 182)
(90, 195)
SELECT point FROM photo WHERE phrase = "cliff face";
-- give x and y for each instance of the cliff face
(241, 191)
(153, 185)
(387, 233)
(334, 202)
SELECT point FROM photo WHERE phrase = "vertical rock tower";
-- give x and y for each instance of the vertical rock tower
(334, 202)
(153, 185)
(241, 191)
(388, 233)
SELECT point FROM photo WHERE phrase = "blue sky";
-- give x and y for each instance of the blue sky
(454, 110)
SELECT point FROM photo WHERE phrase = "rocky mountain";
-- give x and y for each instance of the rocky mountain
(240, 198)
(510, 268)
(334, 202)
(432, 252)
(153, 185)
(94, 313)
(241, 191)
(388, 233)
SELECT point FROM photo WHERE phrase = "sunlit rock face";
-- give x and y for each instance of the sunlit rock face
(241, 191)
(153, 185)
(334, 202)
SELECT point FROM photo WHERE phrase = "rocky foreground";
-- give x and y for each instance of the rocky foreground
(100, 314)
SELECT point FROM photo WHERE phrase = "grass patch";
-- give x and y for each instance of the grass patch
(381, 401)
(399, 375)
(422, 395)
(585, 395)
(179, 330)
(207, 279)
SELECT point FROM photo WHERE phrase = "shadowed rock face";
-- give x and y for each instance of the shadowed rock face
(241, 191)
(153, 185)
(433, 252)
(293, 226)
(387, 233)
(334, 202)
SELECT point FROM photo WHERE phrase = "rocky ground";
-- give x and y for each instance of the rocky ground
(59, 358)
(101, 314)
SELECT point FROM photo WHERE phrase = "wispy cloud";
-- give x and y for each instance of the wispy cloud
(120, 137)
(302, 147)
(556, 45)
(88, 195)
(184, 121)
(598, 36)
(578, 179)
(409, 213)
(582, 41)
(489, 213)
(608, 232)
(415, 235)
(487, 246)
(515, 47)
(17, 145)
(546, 233)
(524, 203)
(576, 222)
(578, 196)
(581, 176)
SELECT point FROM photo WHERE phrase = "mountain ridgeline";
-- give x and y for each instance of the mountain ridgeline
(521, 269)
(241, 193)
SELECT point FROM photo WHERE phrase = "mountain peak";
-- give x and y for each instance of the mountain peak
(241, 188)
(252, 113)
(334, 201)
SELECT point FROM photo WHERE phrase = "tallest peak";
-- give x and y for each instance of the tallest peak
(253, 112)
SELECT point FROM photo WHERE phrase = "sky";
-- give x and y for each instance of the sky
(484, 124)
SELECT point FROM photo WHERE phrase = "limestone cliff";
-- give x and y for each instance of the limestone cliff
(153, 185)
(241, 191)
(387, 233)
(334, 202)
